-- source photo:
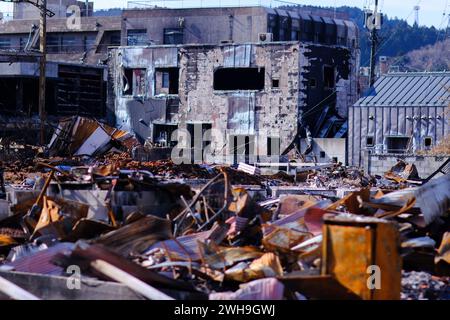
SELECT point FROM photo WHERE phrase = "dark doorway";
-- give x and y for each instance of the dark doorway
(200, 140)
(242, 148)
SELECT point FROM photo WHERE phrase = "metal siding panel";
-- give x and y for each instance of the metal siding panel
(394, 120)
(364, 119)
(408, 100)
(165, 57)
(424, 124)
(237, 56)
(445, 121)
(393, 91)
(371, 124)
(406, 90)
(401, 130)
(432, 123)
(409, 89)
(409, 123)
(379, 126)
(443, 98)
(439, 125)
(241, 111)
(375, 91)
(386, 121)
(418, 94)
(428, 92)
(417, 128)
(435, 93)
(385, 87)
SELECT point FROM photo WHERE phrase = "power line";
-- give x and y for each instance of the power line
(444, 17)
(312, 110)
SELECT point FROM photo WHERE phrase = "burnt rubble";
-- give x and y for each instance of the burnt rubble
(203, 231)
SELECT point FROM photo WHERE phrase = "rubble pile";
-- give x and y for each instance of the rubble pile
(131, 222)
(424, 286)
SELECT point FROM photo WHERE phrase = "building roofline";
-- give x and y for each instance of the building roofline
(417, 74)
(235, 44)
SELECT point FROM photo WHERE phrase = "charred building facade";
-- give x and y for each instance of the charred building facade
(74, 34)
(254, 71)
(239, 100)
(72, 89)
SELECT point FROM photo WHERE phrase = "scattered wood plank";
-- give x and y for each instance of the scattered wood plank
(131, 282)
(15, 292)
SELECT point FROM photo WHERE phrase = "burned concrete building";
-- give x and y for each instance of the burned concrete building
(89, 41)
(254, 97)
(234, 25)
(244, 67)
(72, 89)
(74, 34)
(305, 79)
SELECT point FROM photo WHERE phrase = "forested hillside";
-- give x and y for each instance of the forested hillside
(397, 36)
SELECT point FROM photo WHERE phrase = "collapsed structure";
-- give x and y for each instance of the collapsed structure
(259, 83)
(72, 89)
(286, 63)
(253, 97)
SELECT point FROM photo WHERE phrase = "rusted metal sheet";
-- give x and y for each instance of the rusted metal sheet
(353, 245)
(41, 262)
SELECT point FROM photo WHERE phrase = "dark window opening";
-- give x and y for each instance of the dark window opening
(322, 154)
(167, 80)
(428, 142)
(273, 27)
(137, 37)
(397, 144)
(68, 43)
(89, 42)
(134, 82)
(241, 147)
(328, 77)
(312, 83)
(162, 135)
(370, 142)
(128, 82)
(53, 43)
(275, 83)
(273, 146)
(115, 39)
(239, 79)
(335, 160)
(5, 43)
(22, 43)
(173, 36)
(80, 91)
(200, 140)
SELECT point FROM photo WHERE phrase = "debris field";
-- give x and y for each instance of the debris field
(201, 231)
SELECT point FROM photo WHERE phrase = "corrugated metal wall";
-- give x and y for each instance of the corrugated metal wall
(382, 122)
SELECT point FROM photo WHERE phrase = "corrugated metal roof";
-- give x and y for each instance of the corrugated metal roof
(409, 89)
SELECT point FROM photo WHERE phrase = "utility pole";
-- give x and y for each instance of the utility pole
(416, 15)
(42, 68)
(374, 43)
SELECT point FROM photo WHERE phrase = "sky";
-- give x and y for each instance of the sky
(431, 12)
